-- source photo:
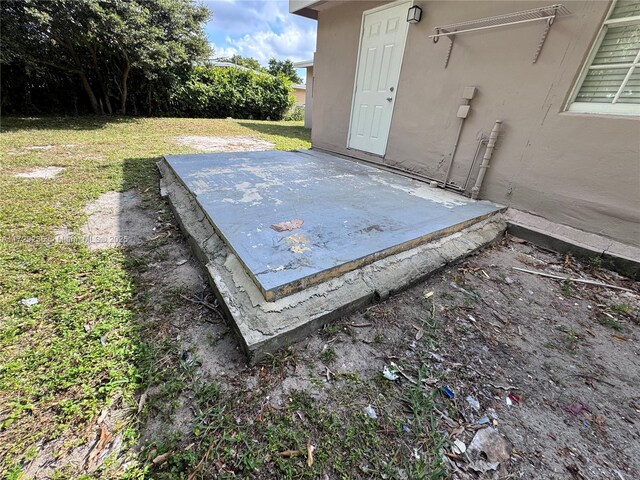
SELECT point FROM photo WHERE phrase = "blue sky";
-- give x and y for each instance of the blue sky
(260, 29)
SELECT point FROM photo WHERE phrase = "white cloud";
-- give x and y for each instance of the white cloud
(261, 29)
(293, 43)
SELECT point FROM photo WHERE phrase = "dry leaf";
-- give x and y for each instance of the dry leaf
(143, 399)
(160, 459)
(419, 334)
(105, 438)
(310, 449)
(290, 453)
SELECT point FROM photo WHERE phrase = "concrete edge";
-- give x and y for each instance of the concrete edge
(563, 239)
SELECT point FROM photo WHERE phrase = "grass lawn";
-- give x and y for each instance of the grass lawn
(82, 347)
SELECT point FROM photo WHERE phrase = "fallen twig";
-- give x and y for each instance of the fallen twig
(591, 377)
(290, 453)
(204, 458)
(575, 280)
(502, 387)
(203, 303)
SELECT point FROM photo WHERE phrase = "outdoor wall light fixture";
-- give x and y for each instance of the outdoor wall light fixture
(414, 15)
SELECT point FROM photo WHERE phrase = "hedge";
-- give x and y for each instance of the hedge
(220, 92)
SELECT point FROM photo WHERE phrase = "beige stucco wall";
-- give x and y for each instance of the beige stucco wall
(300, 95)
(580, 170)
(308, 98)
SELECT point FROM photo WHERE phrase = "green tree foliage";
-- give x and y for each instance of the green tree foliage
(284, 67)
(232, 92)
(104, 46)
(247, 62)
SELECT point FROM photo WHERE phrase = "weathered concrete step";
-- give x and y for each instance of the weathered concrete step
(264, 326)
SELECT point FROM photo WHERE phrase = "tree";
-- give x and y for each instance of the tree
(284, 67)
(247, 62)
(102, 42)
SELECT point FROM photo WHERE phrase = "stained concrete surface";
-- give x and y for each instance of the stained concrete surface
(294, 219)
(264, 326)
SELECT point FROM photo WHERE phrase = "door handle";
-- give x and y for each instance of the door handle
(389, 99)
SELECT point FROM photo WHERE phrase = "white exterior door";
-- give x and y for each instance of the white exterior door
(384, 31)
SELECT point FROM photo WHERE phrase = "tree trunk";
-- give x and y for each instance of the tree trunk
(83, 76)
(103, 88)
(123, 88)
(87, 88)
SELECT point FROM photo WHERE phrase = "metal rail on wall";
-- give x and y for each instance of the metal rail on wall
(547, 14)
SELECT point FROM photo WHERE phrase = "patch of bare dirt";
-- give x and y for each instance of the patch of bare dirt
(553, 368)
(115, 219)
(224, 144)
(43, 173)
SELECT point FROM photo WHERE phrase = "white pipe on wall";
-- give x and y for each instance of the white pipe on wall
(493, 138)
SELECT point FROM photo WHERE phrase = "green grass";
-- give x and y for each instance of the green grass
(89, 343)
(82, 347)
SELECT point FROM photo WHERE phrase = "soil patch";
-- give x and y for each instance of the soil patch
(225, 144)
(116, 218)
(44, 173)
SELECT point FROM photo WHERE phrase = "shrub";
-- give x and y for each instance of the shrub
(296, 113)
(219, 92)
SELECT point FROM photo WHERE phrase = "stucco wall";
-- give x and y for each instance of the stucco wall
(300, 95)
(308, 98)
(577, 169)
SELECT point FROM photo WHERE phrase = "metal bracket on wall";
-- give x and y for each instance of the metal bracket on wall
(548, 14)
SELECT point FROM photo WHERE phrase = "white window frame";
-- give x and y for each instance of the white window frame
(606, 108)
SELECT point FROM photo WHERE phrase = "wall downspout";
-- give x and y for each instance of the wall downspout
(493, 138)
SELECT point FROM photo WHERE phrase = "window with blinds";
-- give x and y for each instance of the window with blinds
(610, 82)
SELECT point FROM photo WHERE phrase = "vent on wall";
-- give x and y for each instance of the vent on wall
(547, 14)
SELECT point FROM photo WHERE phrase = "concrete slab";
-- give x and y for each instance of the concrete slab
(624, 259)
(264, 326)
(295, 219)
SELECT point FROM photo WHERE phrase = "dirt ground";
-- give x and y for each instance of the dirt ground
(548, 373)
(224, 144)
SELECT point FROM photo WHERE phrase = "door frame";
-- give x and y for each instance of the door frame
(396, 3)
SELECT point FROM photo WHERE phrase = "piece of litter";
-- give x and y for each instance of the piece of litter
(448, 392)
(483, 421)
(458, 447)
(388, 374)
(508, 401)
(370, 412)
(29, 302)
(103, 340)
(405, 428)
(437, 357)
(489, 451)
(514, 398)
(473, 402)
(576, 408)
(428, 294)
(287, 226)
(181, 262)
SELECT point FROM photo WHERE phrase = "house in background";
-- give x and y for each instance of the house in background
(563, 82)
(308, 65)
(300, 93)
